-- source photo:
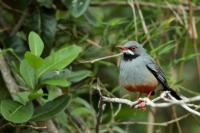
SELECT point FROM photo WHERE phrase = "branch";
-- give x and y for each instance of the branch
(100, 112)
(155, 123)
(7, 76)
(143, 4)
(102, 58)
(28, 126)
(162, 101)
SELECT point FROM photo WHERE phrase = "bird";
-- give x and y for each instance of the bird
(138, 71)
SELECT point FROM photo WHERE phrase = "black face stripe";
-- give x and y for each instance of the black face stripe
(129, 57)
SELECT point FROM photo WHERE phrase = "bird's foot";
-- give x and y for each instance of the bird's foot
(142, 105)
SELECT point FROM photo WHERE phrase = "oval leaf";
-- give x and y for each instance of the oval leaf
(51, 108)
(28, 73)
(33, 60)
(36, 44)
(16, 112)
(78, 75)
(59, 60)
(57, 82)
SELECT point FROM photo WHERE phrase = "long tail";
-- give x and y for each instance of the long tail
(174, 94)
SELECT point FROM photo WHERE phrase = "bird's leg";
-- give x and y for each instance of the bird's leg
(149, 95)
(142, 104)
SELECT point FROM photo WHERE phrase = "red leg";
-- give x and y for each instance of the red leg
(149, 94)
(142, 105)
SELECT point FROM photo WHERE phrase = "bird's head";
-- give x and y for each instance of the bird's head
(132, 50)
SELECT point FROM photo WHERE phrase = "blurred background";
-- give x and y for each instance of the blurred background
(169, 30)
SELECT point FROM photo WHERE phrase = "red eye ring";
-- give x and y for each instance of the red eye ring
(132, 48)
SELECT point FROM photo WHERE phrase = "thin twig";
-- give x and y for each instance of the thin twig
(143, 4)
(7, 76)
(193, 34)
(102, 58)
(155, 124)
(101, 108)
(100, 112)
(28, 126)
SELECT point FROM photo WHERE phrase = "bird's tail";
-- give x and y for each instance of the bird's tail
(174, 94)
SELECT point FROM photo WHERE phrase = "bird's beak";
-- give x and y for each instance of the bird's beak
(122, 48)
(125, 50)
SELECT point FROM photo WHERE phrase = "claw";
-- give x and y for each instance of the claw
(142, 105)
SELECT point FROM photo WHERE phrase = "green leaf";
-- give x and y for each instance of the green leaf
(59, 60)
(36, 44)
(16, 112)
(51, 108)
(22, 97)
(28, 73)
(166, 49)
(186, 58)
(84, 104)
(57, 82)
(37, 94)
(33, 60)
(78, 75)
(76, 7)
(82, 111)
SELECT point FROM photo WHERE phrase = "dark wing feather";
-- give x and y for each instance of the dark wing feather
(157, 72)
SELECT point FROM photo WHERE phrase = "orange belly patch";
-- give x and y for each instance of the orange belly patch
(141, 88)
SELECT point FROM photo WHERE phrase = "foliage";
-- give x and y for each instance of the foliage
(45, 41)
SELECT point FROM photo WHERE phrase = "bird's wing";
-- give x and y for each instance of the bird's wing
(157, 72)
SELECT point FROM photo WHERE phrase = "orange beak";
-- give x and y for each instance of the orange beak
(122, 48)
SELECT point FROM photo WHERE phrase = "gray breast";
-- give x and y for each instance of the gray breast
(135, 72)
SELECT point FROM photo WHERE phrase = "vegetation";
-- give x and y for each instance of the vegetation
(49, 74)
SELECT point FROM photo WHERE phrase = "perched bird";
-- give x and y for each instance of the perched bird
(139, 72)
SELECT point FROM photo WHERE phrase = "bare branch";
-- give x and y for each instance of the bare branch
(155, 124)
(22, 125)
(143, 4)
(7, 76)
(102, 58)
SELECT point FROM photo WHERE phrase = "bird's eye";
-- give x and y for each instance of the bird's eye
(132, 48)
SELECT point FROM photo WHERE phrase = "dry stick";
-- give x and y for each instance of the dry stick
(101, 107)
(22, 126)
(101, 58)
(99, 115)
(9, 80)
(185, 106)
(143, 4)
(130, 2)
(174, 78)
(193, 35)
(175, 116)
(155, 124)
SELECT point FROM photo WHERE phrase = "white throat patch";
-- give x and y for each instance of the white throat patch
(129, 52)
